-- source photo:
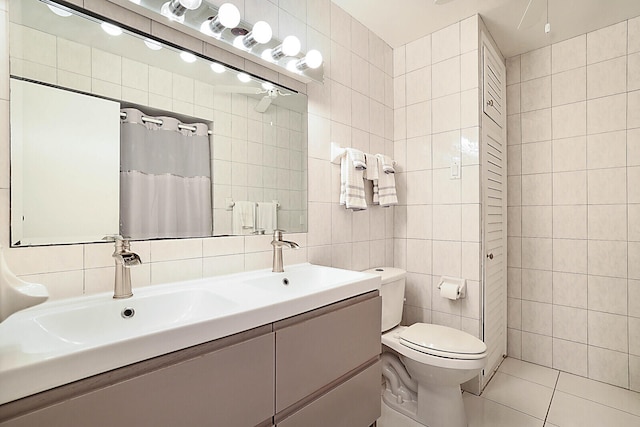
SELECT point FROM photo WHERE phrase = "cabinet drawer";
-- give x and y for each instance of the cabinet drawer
(317, 351)
(354, 403)
(233, 386)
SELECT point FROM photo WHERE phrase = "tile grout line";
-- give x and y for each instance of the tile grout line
(596, 402)
(551, 401)
(519, 410)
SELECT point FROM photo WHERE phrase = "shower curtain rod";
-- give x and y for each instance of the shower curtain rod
(158, 122)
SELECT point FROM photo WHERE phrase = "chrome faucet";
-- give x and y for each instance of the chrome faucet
(277, 244)
(124, 259)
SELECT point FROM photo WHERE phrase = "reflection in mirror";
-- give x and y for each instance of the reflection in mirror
(257, 152)
(51, 128)
(165, 178)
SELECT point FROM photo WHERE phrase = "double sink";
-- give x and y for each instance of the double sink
(62, 341)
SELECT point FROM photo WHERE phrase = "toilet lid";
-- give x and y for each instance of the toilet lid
(441, 340)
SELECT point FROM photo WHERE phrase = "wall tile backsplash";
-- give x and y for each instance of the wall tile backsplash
(573, 211)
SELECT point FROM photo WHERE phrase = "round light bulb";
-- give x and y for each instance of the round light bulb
(313, 58)
(191, 4)
(188, 57)
(217, 68)
(262, 32)
(111, 29)
(238, 44)
(58, 11)
(205, 28)
(266, 55)
(152, 44)
(292, 66)
(291, 46)
(229, 15)
(244, 77)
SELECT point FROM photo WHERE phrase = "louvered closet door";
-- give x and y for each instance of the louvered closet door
(493, 83)
(494, 152)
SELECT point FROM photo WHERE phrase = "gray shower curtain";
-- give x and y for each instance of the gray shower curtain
(165, 178)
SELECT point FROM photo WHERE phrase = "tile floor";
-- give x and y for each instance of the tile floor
(522, 394)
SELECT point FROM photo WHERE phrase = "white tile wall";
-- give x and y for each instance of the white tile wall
(573, 210)
(437, 225)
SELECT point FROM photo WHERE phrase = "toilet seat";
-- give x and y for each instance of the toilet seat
(442, 341)
(391, 340)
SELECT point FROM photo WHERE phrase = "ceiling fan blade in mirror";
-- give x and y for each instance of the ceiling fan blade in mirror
(264, 103)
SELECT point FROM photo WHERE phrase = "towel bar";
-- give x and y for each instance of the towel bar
(337, 152)
(230, 203)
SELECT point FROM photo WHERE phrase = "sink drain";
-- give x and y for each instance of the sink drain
(285, 281)
(127, 313)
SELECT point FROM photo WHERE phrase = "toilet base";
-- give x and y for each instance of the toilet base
(440, 406)
(405, 407)
(436, 406)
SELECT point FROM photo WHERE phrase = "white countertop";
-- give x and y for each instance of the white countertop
(62, 341)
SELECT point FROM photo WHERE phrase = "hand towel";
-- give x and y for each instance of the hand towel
(386, 187)
(358, 158)
(371, 172)
(243, 217)
(267, 217)
(387, 163)
(352, 166)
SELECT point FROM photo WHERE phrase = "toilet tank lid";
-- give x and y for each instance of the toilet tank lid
(388, 274)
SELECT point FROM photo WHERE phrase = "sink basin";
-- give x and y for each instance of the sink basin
(108, 320)
(302, 279)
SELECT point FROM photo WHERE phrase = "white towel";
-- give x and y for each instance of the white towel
(358, 158)
(352, 166)
(387, 163)
(386, 184)
(371, 172)
(243, 217)
(267, 217)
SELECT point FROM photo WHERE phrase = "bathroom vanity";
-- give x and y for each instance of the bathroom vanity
(304, 353)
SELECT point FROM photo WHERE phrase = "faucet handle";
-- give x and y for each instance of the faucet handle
(277, 234)
(116, 238)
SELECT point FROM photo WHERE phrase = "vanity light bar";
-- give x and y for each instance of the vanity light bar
(159, 122)
(262, 34)
(222, 20)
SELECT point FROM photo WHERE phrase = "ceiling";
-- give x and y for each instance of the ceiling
(402, 21)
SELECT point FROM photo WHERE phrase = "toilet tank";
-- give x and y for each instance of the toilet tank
(392, 293)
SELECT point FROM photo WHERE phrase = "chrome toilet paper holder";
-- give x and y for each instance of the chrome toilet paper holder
(460, 282)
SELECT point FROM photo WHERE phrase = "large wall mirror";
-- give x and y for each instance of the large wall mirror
(113, 132)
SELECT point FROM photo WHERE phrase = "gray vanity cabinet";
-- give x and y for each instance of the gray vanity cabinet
(327, 369)
(355, 402)
(231, 386)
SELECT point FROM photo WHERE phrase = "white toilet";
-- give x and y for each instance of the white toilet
(424, 364)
